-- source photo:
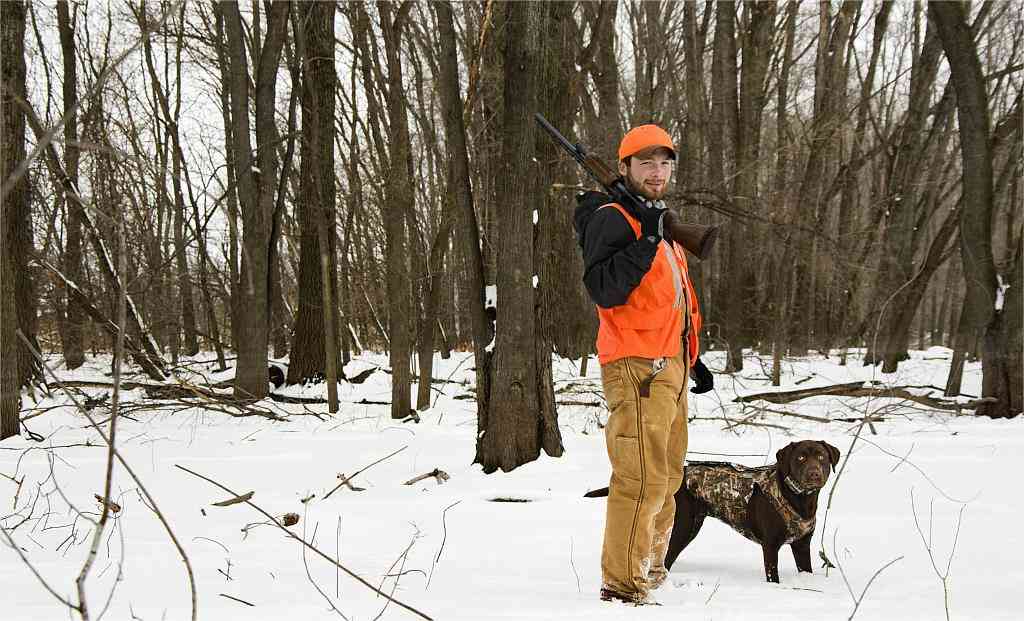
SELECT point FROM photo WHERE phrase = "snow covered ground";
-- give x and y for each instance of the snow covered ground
(457, 554)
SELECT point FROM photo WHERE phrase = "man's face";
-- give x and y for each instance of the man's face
(649, 172)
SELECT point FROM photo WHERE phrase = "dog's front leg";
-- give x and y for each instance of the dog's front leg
(771, 560)
(802, 553)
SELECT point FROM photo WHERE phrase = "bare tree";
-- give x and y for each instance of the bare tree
(462, 195)
(983, 316)
(17, 214)
(315, 34)
(521, 418)
(74, 315)
(256, 176)
(12, 57)
(398, 205)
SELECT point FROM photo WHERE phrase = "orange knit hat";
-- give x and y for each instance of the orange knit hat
(644, 137)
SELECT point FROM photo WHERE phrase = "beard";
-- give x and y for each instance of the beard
(645, 192)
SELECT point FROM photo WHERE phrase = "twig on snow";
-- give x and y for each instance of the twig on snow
(345, 480)
(307, 544)
(858, 600)
(237, 600)
(444, 537)
(943, 576)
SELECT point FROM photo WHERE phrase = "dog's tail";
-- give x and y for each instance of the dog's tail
(597, 493)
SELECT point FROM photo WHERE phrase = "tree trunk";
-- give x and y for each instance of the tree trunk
(400, 199)
(740, 298)
(12, 57)
(521, 419)
(74, 317)
(461, 191)
(317, 192)
(985, 317)
(256, 185)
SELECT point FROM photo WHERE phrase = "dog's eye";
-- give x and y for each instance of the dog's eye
(801, 458)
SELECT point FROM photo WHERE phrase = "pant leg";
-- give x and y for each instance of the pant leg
(677, 444)
(637, 436)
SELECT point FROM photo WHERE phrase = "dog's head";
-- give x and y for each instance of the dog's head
(807, 463)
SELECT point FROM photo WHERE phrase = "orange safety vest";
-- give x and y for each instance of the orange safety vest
(650, 324)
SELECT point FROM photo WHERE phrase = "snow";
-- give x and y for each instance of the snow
(471, 558)
(1001, 292)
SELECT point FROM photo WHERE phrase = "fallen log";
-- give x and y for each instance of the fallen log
(858, 389)
(787, 396)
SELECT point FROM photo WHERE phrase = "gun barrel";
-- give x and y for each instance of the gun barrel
(573, 149)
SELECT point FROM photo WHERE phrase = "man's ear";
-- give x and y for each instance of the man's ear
(782, 455)
(622, 168)
(833, 454)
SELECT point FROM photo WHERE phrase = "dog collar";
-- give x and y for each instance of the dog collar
(796, 489)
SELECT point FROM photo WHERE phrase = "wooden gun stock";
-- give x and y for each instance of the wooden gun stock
(697, 239)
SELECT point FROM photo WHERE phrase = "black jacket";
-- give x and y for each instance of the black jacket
(614, 260)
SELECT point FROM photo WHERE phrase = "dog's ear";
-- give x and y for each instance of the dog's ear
(782, 455)
(833, 454)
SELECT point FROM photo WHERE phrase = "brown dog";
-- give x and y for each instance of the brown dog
(771, 505)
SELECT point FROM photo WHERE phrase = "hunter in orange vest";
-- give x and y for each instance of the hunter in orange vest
(647, 307)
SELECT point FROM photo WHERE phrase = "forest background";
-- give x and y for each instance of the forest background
(307, 180)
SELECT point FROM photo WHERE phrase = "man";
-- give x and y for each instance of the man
(647, 309)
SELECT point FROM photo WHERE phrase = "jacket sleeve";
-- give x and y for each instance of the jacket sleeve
(614, 260)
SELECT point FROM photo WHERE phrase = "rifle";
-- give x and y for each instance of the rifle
(697, 239)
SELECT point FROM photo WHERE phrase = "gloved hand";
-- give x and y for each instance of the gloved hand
(703, 379)
(652, 220)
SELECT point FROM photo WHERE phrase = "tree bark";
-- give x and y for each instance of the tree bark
(521, 419)
(984, 317)
(256, 185)
(316, 192)
(74, 315)
(12, 208)
(400, 199)
(462, 194)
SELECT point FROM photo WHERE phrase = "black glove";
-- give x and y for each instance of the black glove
(703, 379)
(652, 220)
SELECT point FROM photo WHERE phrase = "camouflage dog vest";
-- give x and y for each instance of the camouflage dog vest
(727, 488)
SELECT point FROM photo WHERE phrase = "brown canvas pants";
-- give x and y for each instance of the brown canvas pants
(646, 437)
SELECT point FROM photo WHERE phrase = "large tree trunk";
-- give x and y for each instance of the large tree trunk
(521, 419)
(987, 318)
(17, 220)
(316, 193)
(12, 208)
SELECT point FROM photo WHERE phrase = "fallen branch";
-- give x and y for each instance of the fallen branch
(236, 599)
(365, 468)
(234, 501)
(307, 545)
(440, 475)
(857, 389)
